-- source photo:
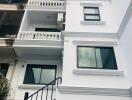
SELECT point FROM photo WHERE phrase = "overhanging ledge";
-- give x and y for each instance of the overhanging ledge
(98, 72)
(94, 91)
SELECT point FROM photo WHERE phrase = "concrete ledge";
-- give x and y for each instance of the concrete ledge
(89, 34)
(37, 43)
(98, 72)
(94, 91)
(91, 4)
(96, 43)
(92, 22)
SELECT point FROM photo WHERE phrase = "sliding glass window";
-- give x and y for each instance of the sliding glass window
(39, 74)
(96, 57)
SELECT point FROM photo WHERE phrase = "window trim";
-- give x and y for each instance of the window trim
(77, 51)
(55, 68)
(85, 14)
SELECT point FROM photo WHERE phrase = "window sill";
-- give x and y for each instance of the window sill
(33, 87)
(98, 72)
(92, 22)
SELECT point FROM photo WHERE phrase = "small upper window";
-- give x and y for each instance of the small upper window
(96, 57)
(91, 14)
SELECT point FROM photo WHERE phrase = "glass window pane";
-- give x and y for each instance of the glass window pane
(98, 58)
(91, 11)
(92, 17)
(32, 75)
(47, 76)
(36, 74)
(108, 58)
(86, 57)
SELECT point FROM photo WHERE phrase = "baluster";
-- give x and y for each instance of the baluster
(26, 96)
(24, 36)
(47, 93)
(37, 96)
(52, 92)
(47, 36)
(20, 36)
(27, 36)
(51, 37)
(54, 36)
(30, 35)
(40, 36)
(42, 94)
(44, 37)
(32, 98)
(57, 83)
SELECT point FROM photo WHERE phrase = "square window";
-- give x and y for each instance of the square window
(91, 14)
(96, 57)
(40, 74)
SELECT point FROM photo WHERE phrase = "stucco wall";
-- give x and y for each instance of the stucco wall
(126, 47)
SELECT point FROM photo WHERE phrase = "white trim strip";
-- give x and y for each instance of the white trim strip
(98, 72)
(91, 4)
(96, 43)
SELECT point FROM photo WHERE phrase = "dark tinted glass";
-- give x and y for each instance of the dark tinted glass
(39, 74)
(4, 69)
(96, 57)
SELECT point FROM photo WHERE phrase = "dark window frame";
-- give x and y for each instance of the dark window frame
(42, 67)
(89, 14)
(77, 52)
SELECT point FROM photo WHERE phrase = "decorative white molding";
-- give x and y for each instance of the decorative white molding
(37, 43)
(46, 4)
(98, 72)
(92, 22)
(94, 91)
(96, 43)
(90, 34)
(91, 4)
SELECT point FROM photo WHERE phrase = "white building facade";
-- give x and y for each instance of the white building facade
(83, 42)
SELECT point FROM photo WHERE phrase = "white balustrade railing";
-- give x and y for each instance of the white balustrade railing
(50, 4)
(28, 35)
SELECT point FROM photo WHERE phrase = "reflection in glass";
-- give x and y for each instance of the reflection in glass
(96, 57)
(39, 74)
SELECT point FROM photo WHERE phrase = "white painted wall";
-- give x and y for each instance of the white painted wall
(17, 82)
(111, 11)
(70, 63)
(126, 47)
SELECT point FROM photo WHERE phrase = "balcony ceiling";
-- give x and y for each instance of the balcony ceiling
(43, 18)
(38, 53)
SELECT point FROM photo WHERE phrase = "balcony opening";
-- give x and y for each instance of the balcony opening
(9, 23)
(47, 29)
(43, 21)
(12, 1)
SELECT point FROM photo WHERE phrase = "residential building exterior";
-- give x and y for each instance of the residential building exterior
(73, 49)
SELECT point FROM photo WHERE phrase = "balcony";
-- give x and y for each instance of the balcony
(54, 5)
(41, 29)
